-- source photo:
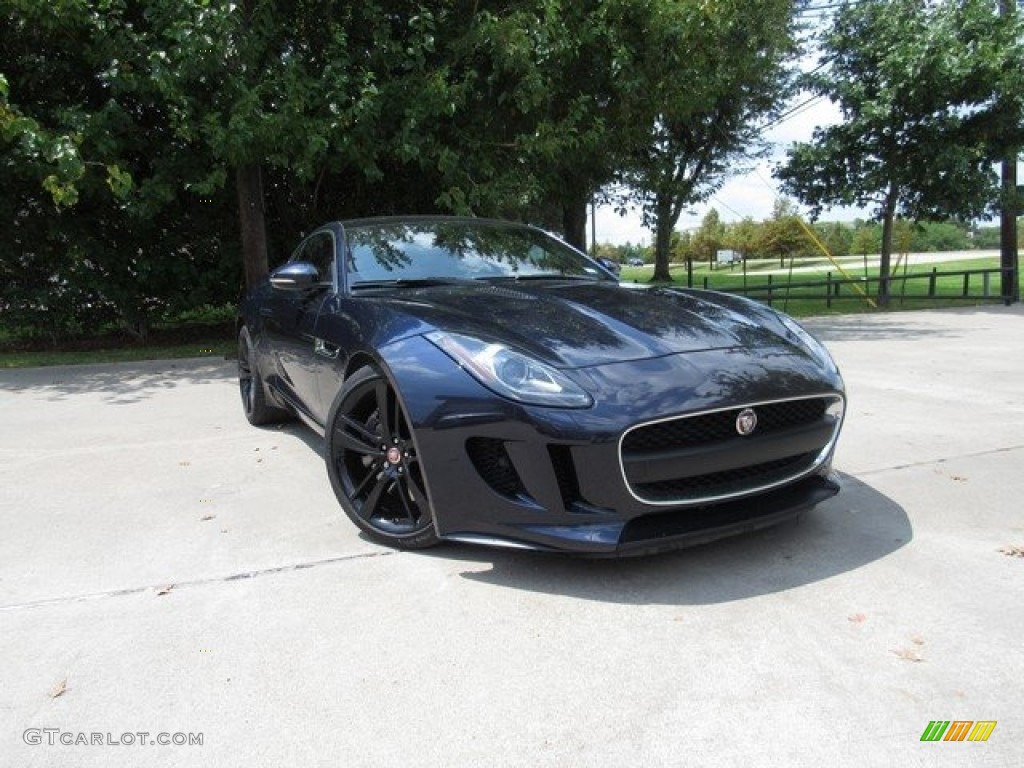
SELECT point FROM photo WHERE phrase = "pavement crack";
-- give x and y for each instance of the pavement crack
(179, 585)
(941, 460)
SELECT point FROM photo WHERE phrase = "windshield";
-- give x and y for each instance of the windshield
(432, 250)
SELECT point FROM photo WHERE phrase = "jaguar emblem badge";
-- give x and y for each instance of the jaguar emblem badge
(746, 421)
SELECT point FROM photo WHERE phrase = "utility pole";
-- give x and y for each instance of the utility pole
(1009, 207)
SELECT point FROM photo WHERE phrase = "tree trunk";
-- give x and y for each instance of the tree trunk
(1008, 254)
(574, 222)
(885, 258)
(253, 228)
(663, 227)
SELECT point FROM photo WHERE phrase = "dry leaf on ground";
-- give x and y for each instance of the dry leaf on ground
(908, 654)
(59, 688)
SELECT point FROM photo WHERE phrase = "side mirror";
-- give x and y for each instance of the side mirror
(610, 266)
(295, 276)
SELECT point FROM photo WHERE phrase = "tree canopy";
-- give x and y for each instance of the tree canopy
(140, 137)
(931, 94)
(162, 154)
(716, 71)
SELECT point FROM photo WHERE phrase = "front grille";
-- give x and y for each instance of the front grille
(708, 522)
(721, 425)
(728, 482)
(702, 457)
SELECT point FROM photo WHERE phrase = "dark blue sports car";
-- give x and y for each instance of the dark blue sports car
(482, 381)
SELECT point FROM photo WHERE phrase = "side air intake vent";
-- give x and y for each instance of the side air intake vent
(492, 461)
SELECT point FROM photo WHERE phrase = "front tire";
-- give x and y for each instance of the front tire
(374, 466)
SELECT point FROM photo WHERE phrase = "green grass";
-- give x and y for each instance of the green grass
(206, 331)
(217, 349)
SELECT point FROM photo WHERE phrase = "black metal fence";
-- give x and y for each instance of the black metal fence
(964, 284)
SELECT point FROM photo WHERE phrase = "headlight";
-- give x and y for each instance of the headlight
(799, 334)
(511, 374)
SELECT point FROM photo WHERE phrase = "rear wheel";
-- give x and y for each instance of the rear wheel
(374, 466)
(250, 385)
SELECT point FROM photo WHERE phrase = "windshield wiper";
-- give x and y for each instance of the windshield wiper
(408, 282)
(543, 276)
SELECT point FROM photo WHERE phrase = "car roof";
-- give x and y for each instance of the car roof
(428, 219)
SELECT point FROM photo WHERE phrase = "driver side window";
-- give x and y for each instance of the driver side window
(319, 251)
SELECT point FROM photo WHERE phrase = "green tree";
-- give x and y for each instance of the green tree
(716, 71)
(783, 235)
(279, 87)
(101, 229)
(743, 237)
(918, 84)
(836, 237)
(709, 237)
(867, 239)
(540, 129)
(681, 248)
(941, 236)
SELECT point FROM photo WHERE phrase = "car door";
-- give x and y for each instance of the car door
(339, 329)
(328, 355)
(291, 324)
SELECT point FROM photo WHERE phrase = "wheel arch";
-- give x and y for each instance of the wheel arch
(375, 368)
(362, 359)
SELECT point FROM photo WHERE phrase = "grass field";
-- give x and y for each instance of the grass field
(200, 333)
(790, 292)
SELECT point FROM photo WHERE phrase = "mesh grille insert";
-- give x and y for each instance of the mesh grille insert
(723, 483)
(721, 425)
(494, 465)
(779, 450)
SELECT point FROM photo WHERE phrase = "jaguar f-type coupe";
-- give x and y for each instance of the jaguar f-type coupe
(482, 381)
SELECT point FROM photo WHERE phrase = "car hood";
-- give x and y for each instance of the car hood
(580, 324)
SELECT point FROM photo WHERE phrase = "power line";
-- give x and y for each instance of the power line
(812, 9)
(791, 113)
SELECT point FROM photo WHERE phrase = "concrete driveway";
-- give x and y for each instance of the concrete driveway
(167, 570)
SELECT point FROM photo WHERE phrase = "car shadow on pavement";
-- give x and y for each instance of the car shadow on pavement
(118, 383)
(848, 532)
(898, 326)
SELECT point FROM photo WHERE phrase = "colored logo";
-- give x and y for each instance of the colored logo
(958, 730)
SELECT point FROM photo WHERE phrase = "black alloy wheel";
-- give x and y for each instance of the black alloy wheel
(374, 466)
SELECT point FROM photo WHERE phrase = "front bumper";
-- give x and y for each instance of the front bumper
(504, 474)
